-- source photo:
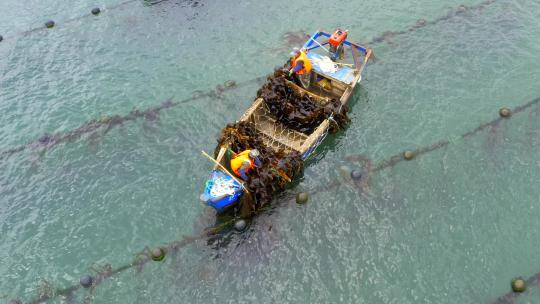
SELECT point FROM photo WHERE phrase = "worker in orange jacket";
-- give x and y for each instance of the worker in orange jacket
(243, 162)
(301, 67)
(300, 63)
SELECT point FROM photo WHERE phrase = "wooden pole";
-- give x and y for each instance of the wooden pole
(225, 170)
(250, 199)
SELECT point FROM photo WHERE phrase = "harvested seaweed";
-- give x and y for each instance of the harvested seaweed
(278, 168)
(299, 113)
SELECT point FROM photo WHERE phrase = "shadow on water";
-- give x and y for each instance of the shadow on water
(48, 141)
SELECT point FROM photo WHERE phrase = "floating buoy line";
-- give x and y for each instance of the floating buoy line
(519, 286)
(420, 23)
(95, 11)
(224, 229)
(48, 141)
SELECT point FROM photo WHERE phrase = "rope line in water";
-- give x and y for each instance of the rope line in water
(107, 271)
(67, 21)
(400, 157)
(106, 123)
(511, 296)
(89, 14)
(48, 141)
(420, 23)
(443, 143)
(385, 36)
(175, 246)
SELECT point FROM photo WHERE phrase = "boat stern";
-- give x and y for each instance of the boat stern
(221, 191)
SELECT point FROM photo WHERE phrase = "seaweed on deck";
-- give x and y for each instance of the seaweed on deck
(277, 167)
(299, 113)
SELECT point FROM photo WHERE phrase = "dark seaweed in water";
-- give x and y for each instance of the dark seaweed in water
(300, 113)
(276, 167)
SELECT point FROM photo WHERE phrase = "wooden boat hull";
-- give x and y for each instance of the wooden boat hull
(340, 83)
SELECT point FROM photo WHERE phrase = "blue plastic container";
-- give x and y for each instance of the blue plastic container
(221, 191)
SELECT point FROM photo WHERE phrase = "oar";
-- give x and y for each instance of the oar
(250, 201)
(226, 171)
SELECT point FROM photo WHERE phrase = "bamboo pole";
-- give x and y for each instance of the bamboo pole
(225, 170)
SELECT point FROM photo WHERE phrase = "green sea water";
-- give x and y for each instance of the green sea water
(454, 225)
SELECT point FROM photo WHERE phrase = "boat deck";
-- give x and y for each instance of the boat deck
(324, 66)
(275, 134)
(340, 79)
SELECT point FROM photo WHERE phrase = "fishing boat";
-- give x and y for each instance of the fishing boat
(337, 66)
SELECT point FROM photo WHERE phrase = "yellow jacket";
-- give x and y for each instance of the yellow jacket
(304, 58)
(242, 160)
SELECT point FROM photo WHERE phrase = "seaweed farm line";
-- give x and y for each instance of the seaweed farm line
(89, 14)
(385, 35)
(48, 141)
(107, 123)
(223, 229)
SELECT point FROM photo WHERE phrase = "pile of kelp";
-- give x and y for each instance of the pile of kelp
(300, 113)
(278, 168)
